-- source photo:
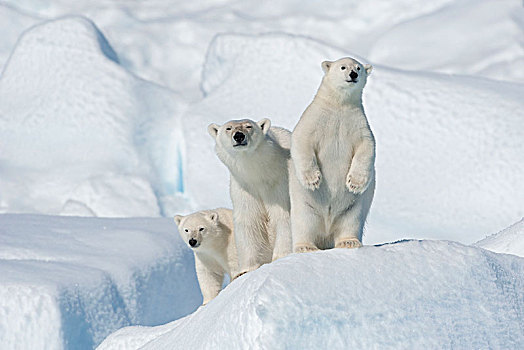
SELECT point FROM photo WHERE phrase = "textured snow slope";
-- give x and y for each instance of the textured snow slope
(81, 135)
(69, 282)
(165, 40)
(489, 44)
(413, 294)
(450, 156)
(508, 241)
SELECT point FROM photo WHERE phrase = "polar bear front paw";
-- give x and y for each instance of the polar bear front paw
(357, 182)
(304, 248)
(311, 179)
(349, 243)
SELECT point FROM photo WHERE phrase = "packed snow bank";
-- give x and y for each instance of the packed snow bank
(12, 23)
(450, 156)
(488, 45)
(81, 135)
(69, 282)
(165, 41)
(508, 241)
(411, 294)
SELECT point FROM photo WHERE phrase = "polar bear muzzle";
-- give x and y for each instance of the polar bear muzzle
(353, 75)
(240, 139)
(193, 243)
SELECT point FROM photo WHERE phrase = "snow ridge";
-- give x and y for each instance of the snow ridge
(78, 128)
(411, 294)
(83, 278)
(508, 241)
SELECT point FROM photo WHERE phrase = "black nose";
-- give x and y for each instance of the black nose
(239, 137)
(353, 75)
(192, 242)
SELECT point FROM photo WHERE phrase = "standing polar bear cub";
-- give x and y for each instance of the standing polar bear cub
(333, 152)
(210, 234)
(257, 156)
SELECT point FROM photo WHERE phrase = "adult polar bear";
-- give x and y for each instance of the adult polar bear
(333, 152)
(257, 156)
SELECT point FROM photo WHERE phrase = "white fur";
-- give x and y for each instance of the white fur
(333, 152)
(215, 251)
(259, 188)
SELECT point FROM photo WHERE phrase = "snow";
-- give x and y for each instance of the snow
(103, 113)
(410, 294)
(77, 127)
(165, 41)
(487, 47)
(68, 282)
(508, 241)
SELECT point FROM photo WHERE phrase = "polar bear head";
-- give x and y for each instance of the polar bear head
(200, 230)
(346, 74)
(239, 135)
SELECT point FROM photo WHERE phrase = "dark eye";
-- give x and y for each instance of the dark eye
(248, 127)
(186, 230)
(228, 129)
(343, 68)
(358, 68)
(201, 229)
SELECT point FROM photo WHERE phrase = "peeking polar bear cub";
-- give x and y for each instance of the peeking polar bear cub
(257, 156)
(210, 234)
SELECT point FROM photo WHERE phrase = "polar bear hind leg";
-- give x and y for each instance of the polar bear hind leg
(306, 226)
(349, 226)
(347, 231)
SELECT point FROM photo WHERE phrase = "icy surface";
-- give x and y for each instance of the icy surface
(441, 139)
(508, 241)
(69, 282)
(411, 294)
(76, 127)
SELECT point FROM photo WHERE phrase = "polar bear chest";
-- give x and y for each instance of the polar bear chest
(263, 170)
(337, 137)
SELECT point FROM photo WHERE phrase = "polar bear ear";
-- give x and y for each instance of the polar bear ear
(212, 129)
(368, 68)
(326, 65)
(178, 219)
(264, 124)
(213, 216)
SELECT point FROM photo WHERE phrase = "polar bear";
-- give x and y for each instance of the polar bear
(210, 234)
(258, 158)
(333, 153)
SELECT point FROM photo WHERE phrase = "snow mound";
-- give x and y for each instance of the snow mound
(165, 41)
(12, 23)
(80, 279)
(488, 44)
(508, 241)
(75, 126)
(429, 128)
(411, 294)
